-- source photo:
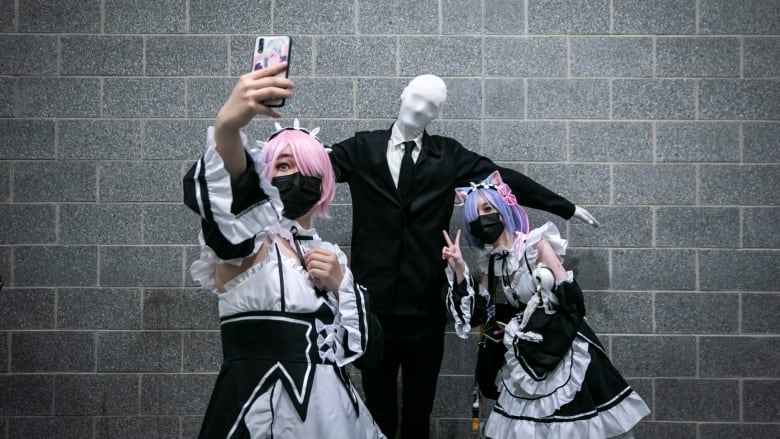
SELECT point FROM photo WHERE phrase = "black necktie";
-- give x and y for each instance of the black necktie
(406, 175)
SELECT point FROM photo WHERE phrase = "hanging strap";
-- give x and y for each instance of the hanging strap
(281, 276)
(298, 249)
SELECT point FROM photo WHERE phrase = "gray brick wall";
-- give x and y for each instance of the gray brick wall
(661, 117)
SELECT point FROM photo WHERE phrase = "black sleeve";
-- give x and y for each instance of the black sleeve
(474, 167)
(246, 193)
(341, 159)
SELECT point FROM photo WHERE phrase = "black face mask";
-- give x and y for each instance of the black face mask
(299, 193)
(487, 227)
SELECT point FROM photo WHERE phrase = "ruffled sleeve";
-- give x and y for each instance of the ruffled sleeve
(466, 302)
(549, 232)
(232, 214)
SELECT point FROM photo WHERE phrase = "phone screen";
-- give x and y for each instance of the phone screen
(270, 51)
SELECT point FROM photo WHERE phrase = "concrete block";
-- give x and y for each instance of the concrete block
(525, 141)
(169, 224)
(180, 309)
(32, 351)
(664, 430)
(26, 139)
(453, 396)
(138, 351)
(79, 308)
(697, 142)
(611, 141)
(696, 313)
(739, 99)
(566, 179)
(28, 55)
(7, 17)
(619, 312)
(7, 90)
(205, 97)
(458, 17)
(338, 228)
(620, 227)
(758, 313)
(697, 227)
(725, 357)
(568, 99)
(612, 56)
(753, 431)
(27, 224)
(150, 181)
(145, 17)
(58, 266)
(504, 98)
(61, 427)
(202, 351)
(91, 55)
(760, 142)
(322, 97)
(697, 57)
(358, 56)
(568, 17)
(654, 184)
(67, 16)
(54, 181)
(175, 139)
(739, 184)
(125, 266)
(173, 394)
(590, 267)
(408, 17)
(234, 17)
(143, 97)
(639, 269)
(299, 17)
(761, 58)
(653, 99)
(100, 224)
(186, 56)
(95, 394)
(753, 268)
(464, 99)
(150, 427)
(652, 356)
(444, 55)
(656, 17)
(378, 98)
(99, 139)
(696, 399)
(58, 97)
(525, 56)
(26, 395)
(26, 309)
(761, 400)
(746, 17)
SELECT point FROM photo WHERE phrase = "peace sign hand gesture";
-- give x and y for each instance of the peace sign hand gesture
(451, 253)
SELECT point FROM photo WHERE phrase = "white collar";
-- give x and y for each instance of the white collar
(396, 138)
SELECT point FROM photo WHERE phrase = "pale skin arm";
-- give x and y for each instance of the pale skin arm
(244, 103)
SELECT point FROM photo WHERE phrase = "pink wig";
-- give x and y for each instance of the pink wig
(310, 157)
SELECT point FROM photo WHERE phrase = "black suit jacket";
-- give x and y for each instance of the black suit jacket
(396, 247)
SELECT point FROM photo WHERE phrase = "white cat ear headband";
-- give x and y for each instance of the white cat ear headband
(296, 126)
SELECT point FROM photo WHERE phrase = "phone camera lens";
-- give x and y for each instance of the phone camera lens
(260, 45)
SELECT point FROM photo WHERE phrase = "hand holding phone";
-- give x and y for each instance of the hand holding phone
(269, 51)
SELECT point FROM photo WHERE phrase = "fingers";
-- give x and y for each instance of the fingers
(268, 71)
(457, 238)
(446, 237)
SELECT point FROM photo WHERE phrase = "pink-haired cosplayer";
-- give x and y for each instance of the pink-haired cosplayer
(291, 315)
(554, 379)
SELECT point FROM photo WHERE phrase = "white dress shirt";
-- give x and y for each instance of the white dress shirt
(395, 152)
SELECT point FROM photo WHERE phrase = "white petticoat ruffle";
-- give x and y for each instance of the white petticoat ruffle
(615, 421)
(525, 396)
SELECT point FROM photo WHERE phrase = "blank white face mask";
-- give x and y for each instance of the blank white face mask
(421, 103)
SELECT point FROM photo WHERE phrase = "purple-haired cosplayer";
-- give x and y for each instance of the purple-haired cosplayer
(552, 378)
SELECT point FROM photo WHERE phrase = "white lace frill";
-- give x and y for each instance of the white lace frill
(525, 396)
(525, 244)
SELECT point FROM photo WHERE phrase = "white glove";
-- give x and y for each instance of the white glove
(585, 216)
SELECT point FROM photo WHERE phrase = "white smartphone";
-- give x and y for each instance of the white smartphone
(269, 51)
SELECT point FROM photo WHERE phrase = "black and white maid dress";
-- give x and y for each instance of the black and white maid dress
(556, 380)
(285, 340)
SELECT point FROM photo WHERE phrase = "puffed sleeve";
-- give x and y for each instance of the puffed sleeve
(232, 213)
(466, 302)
